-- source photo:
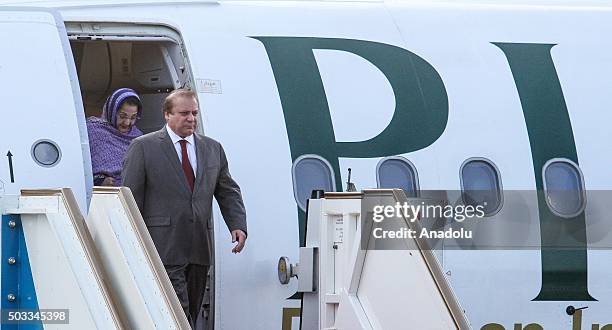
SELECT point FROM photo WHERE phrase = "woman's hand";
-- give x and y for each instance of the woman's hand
(109, 181)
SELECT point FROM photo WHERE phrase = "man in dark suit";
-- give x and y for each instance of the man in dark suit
(173, 174)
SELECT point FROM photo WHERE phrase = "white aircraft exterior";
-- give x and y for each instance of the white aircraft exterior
(346, 85)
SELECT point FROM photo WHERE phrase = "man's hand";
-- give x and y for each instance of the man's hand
(240, 237)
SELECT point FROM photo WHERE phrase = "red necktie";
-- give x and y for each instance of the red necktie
(187, 164)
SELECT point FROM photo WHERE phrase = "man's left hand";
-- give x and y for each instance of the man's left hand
(240, 237)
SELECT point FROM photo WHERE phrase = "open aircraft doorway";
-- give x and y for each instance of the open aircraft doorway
(150, 59)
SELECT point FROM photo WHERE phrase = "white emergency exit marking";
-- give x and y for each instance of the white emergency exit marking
(209, 86)
(338, 230)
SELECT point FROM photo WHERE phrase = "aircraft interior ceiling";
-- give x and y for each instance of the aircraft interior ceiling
(152, 69)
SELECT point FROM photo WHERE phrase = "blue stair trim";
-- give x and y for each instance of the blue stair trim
(17, 278)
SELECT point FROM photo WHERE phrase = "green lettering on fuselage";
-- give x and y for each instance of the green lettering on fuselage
(564, 271)
(419, 119)
(421, 103)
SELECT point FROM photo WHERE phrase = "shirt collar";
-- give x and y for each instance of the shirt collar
(175, 138)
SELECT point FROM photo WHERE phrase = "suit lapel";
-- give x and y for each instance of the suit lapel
(200, 154)
(170, 152)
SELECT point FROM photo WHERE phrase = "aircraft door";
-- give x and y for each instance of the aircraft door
(43, 139)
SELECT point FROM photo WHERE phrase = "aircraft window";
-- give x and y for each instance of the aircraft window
(564, 187)
(481, 185)
(46, 153)
(311, 172)
(397, 172)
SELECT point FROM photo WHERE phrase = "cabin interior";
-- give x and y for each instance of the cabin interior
(152, 67)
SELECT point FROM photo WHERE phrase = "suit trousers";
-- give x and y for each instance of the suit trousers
(189, 282)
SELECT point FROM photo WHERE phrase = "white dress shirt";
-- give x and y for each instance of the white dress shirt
(191, 152)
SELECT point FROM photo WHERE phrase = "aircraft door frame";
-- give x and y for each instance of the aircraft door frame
(44, 109)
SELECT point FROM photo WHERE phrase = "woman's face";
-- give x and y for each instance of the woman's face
(126, 117)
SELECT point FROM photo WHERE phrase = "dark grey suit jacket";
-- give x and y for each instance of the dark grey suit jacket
(177, 219)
